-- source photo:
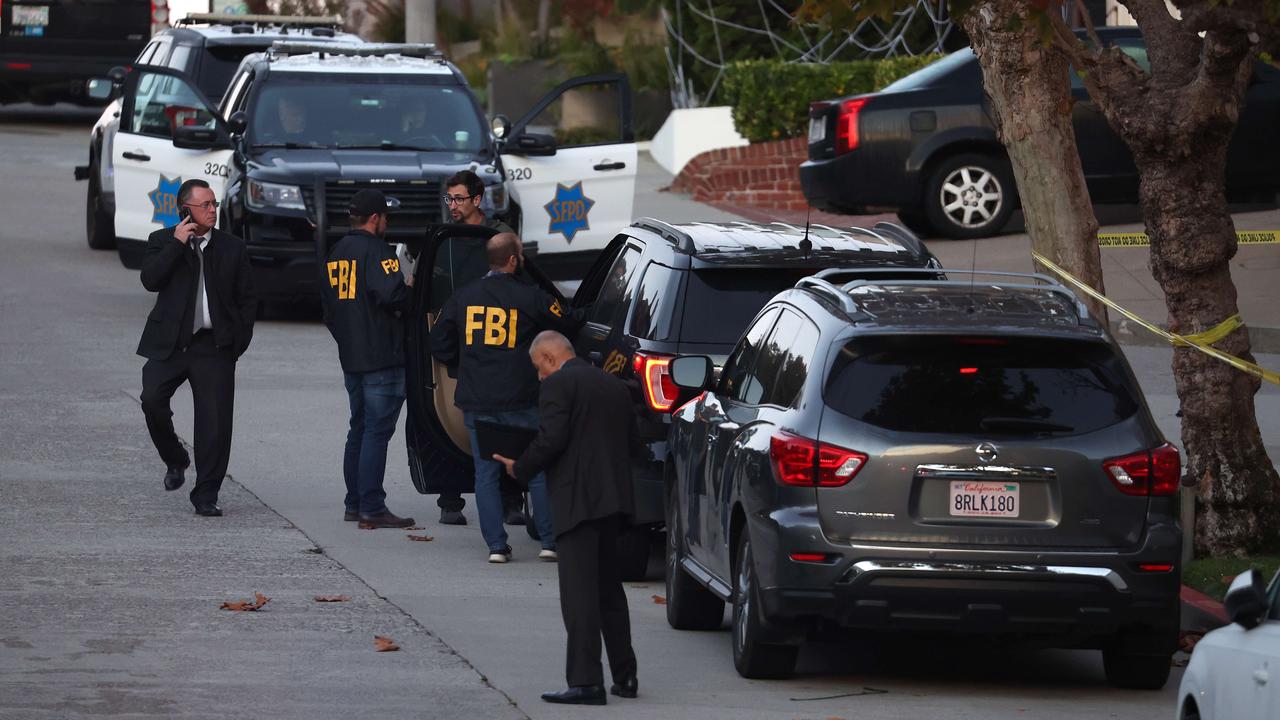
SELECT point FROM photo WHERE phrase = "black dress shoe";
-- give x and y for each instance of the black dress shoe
(350, 516)
(513, 516)
(174, 477)
(583, 695)
(209, 511)
(384, 519)
(626, 687)
(452, 517)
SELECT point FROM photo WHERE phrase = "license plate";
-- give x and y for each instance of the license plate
(31, 15)
(971, 498)
(817, 130)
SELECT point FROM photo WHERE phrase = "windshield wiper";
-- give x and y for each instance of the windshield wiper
(1016, 423)
(286, 145)
(386, 145)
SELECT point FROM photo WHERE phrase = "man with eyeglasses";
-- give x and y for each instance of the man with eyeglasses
(201, 324)
(463, 192)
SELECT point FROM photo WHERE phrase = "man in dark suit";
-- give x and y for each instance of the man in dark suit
(201, 324)
(583, 444)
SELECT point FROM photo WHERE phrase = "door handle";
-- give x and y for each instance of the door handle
(610, 166)
(1260, 676)
(140, 157)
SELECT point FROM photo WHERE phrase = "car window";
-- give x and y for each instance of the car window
(736, 380)
(654, 315)
(164, 102)
(144, 57)
(970, 385)
(718, 303)
(180, 58)
(367, 112)
(218, 65)
(458, 262)
(585, 115)
(794, 362)
(935, 73)
(615, 293)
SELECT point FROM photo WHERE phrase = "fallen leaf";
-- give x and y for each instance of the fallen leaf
(247, 605)
(331, 598)
(381, 643)
(1187, 640)
(415, 527)
(659, 600)
(421, 538)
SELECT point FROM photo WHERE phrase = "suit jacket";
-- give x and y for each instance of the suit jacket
(170, 270)
(583, 444)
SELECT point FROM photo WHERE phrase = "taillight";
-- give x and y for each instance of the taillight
(803, 462)
(654, 372)
(847, 124)
(1151, 472)
(180, 116)
(159, 15)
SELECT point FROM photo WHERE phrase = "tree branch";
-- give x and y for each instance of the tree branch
(1172, 45)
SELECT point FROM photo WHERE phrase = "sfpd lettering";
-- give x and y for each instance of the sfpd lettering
(497, 326)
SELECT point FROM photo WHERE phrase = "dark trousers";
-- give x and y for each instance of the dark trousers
(212, 373)
(375, 398)
(593, 603)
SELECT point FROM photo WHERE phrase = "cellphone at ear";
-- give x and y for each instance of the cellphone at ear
(184, 213)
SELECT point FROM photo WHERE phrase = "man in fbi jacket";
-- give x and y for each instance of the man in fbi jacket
(583, 444)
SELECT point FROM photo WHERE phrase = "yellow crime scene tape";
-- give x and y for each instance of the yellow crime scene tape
(1202, 341)
(1244, 237)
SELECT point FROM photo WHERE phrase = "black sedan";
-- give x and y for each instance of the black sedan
(926, 147)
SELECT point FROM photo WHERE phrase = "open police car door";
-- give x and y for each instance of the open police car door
(438, 443)
(169, 133)
(570, 164)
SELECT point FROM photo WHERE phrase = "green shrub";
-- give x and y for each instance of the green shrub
(771, 98)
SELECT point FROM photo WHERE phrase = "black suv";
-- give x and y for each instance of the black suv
(931, 455)
(656, 291)
(926, 147)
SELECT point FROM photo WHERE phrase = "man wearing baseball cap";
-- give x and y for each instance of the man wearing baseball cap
(364, 295)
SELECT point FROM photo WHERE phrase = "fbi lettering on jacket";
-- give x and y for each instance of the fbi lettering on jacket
(491, 326)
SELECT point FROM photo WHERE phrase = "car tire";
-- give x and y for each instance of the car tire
(915, 220)
(970, 196)
(1136, 671)
(752, 657)
(690, 606)
(634, 545)
(99, 226)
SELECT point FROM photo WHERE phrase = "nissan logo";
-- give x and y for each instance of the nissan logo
(987, 452)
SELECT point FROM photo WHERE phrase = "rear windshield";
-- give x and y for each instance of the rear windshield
(719, 304)
(932, 74)
(217, 67)
(991, 386)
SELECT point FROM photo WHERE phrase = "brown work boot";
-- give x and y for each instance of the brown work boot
(384, 519)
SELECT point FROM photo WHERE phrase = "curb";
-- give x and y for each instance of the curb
(1201, 612)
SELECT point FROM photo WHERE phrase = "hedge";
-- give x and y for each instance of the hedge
(770, 98)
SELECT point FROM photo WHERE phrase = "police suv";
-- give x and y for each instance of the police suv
(304, 126)
(207, 49)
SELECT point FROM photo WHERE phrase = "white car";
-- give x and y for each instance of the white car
(1234, 673)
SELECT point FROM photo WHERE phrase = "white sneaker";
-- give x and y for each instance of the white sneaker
(500, 557)
(548, 555)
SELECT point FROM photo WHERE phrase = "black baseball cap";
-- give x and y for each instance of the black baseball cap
(372, 202)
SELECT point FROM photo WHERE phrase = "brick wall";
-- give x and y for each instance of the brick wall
(765, 175)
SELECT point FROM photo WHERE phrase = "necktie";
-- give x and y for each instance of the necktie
(198, 322)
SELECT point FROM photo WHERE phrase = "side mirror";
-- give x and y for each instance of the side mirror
(692, 371)
(1246, 600)
(99, 89)
(195, 137)
(238, 123)
(501, 126)
(532, 144)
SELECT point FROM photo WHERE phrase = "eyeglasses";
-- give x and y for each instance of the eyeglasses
(210, 205)
(455, 199)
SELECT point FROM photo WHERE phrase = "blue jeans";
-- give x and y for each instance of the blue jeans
(488, 494)
(375, 398)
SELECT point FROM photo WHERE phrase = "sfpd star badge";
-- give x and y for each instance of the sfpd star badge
(164, 202)
(568, 211)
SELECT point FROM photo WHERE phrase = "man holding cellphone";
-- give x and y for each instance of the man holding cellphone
(201, 324)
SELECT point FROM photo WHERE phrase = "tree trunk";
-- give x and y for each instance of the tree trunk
(1030, 96)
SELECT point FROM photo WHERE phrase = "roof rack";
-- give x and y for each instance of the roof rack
(821, 283)
(333, 21)
(668, 232)
(285, 48)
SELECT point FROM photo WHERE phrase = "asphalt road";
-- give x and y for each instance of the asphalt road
(108, 603)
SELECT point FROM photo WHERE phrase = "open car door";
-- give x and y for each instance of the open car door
(570, 164)
(169, 133)
(438, 443)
